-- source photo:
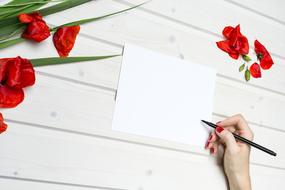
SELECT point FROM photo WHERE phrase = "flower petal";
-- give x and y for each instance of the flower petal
(28, 77)
(20, 73)
(28, 18)
(227, 31)
(3, 126)
(3, 68)
(266, 62)
(264, 56)
(36, 31)
(224, 45)
(255, 70)
(244, 49)
(259, 48)
(10, 97)
(64, 39)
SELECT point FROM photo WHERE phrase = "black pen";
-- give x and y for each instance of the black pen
(245, 140)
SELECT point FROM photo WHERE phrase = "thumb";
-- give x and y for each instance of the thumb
(227, 138)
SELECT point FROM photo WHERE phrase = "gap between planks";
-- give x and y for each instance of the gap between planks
(113, 91)
(46, 127)
(121, 46)
(255, 11)
(59, 183)
(179, 22)
(183, 23)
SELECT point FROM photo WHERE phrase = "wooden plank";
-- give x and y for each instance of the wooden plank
(22, 183)
(79, 108)
(272, 10)
(77, 159)
(200, 14)
(104, 74)
(115, 28)
(71, 158)
(167, 37)
(74, 152)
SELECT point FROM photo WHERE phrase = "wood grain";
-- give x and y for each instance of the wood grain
(61, 137)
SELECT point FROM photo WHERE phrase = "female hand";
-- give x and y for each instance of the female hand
(236, 154)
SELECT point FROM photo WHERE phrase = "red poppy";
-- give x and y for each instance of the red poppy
(263, 55)
(15, 74)
(37, 28)
(235, 44)
(3, 126)
(255, 70)
(64, 39)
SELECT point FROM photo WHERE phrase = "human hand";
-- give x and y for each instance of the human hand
(236, 154)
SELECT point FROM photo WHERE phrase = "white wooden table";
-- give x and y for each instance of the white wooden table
(60, 137)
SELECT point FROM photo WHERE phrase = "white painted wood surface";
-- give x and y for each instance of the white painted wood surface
(60, 137)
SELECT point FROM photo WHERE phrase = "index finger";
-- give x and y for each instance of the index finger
(239, 123)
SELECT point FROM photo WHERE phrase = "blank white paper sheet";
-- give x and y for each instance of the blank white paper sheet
(163, 97)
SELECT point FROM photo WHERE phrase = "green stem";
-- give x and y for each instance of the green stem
(57, 60)
(16, 31)
(46, 11)
(6, 44)
(30, 3)
(13, 12)
(83, 21)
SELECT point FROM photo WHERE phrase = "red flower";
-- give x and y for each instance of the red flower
(28, 18)
(15, 74)
(255, 70)
(263, 55)
(3, 126)
(64, 39)
(235, 44)
(37, 28)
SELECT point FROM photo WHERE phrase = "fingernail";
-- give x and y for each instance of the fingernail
(210, 137)
(212, 150)
(207, 144)
(219, 129)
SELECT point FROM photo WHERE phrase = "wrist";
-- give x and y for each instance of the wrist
(239, 182)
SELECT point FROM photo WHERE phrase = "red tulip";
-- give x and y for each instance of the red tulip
(255, 70)
(3, 126)
(235, 44)
(37, 29)
(28, 18)
(64, 39)
(15, 74)
(263, 55)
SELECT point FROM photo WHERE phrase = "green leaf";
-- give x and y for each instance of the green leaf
(59, 61)
(10, 25)
(241, 68)
(247, 75)
(83, 21)
(246, 58)
(19, 4)
(46, 11)
(7, 43)
(16, 7)
(10, 31)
